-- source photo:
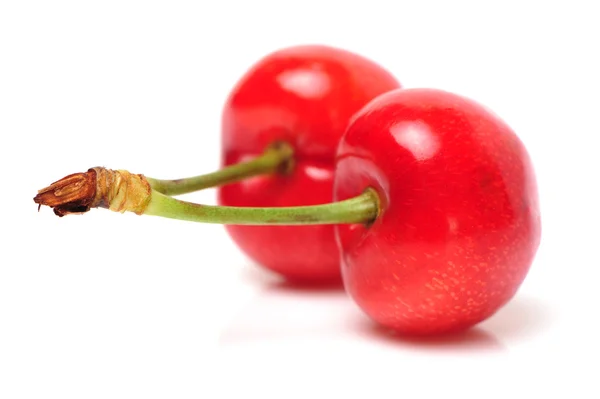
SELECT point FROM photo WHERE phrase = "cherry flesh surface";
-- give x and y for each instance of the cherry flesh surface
(459, 223)
(304, 96)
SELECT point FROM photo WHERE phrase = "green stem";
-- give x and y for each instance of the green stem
(276, 158)
(361, 209)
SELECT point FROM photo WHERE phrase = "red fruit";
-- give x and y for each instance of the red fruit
(304, 96)
(459, 223)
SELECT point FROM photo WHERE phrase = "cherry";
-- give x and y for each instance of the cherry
(303, 96)
(459, 220)
(436, 210)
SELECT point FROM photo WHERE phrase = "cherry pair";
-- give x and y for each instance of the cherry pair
(435, 216)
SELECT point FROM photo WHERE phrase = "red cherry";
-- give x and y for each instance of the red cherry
(459, 222)
(304, 96)
(436, 210)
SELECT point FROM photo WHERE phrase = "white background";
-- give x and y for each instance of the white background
(120, 306)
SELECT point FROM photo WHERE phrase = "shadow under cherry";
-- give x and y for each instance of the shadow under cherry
(521, 319)
(289, 310)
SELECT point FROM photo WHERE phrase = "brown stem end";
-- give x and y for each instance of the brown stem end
(117, 190)
(71, 194)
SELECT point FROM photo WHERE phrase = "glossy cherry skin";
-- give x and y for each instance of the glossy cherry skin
(304, 96)
(459, 223)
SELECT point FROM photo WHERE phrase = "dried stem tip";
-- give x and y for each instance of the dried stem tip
(117, 190)
(72, 194)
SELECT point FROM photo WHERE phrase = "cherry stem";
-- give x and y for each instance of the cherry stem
(360, 209)
(122, 191)
(277, 158)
